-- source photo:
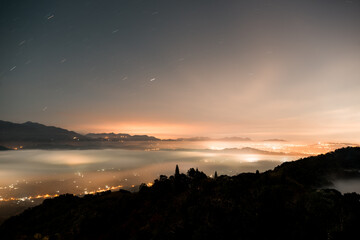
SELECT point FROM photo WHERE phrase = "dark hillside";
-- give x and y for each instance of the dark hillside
(320, 170)
(279, 204)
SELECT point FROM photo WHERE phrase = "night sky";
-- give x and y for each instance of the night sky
(259, 69)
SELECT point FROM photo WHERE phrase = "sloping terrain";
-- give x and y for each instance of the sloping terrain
(284, 203)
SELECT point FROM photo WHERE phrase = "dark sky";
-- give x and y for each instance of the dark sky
(285, 69)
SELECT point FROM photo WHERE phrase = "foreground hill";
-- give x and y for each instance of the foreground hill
(284, 203)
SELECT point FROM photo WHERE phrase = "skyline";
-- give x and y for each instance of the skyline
(222, 140)
(258, 69)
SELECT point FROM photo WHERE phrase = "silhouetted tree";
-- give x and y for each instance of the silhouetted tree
(177, 172)
(191, 172)
(143, 187)
(163, 177)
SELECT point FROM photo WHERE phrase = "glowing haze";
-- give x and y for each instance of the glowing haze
(259, 69)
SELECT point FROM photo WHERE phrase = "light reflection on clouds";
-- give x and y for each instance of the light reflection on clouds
(40, 172)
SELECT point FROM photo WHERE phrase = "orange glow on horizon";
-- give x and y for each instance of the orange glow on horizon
(157, 129)
(290, 130)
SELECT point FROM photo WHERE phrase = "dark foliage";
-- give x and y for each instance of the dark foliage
(279, 204)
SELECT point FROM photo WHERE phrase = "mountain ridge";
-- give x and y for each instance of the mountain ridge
(30, 131)
(32, 135)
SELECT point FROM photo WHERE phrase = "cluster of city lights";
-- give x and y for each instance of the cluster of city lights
(45, 196)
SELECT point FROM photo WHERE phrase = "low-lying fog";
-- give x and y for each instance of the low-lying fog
(347, 185)
(38, 172)
(29, 176)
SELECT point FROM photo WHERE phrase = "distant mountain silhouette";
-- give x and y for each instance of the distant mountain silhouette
(121, 137)
(214, 139)
(39, 133)
(274, 140)
(194, 139)
(35, 132)
(234, 139)
(249, 150)
(244, 150)
(4, 148)
(288, 202)
(31, 135)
